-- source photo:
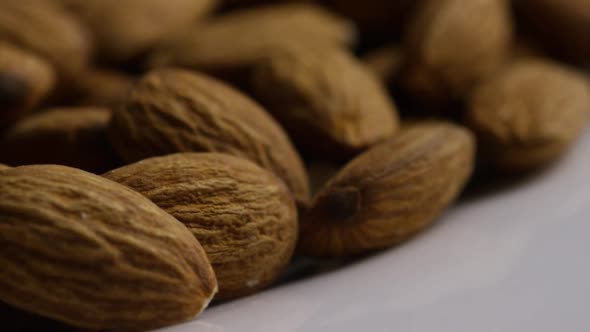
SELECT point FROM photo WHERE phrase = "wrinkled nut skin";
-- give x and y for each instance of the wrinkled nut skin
(103, 87)
(49, 31)
(92, 253)
(328, 101)
(243, 216)
(125, 29)
(445, 52)
(229, 44)
(172, 111)
(529, 113)
(389, 193)
(75, 137)
(561, 25)
(25, 80)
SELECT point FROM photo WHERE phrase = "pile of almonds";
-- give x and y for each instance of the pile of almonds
(158, 155)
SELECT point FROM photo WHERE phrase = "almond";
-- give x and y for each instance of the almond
(529, 113)
(75, 137)
(389, 193)
(87, 251)
(173, 111)
(244, 216)
(326, 99)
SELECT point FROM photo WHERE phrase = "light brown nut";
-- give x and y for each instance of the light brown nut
(389, 193)
(103, 87)
(243, 216)
(561, 25)
(172, 111)
(385, 62)
(25, 80)
(47, 30)
(453, 44)
(92, 253)
(529, 113)
(125, 29)
(230, 43)
(75, 137)
(328, 101)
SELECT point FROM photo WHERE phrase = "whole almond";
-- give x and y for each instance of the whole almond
(243, 216)
(453, 44)
(230, 43)
(87, 251)
(125, 29)
(47, 30)
(172, 111)
(529, 113)
(25, 81)
(75, 137)
(326, 99)
(389, 193)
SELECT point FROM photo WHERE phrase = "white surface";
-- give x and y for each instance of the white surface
(512, 261)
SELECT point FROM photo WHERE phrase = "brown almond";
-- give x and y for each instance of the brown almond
(25, 81)
(389, 193)
(75, 137)
(326, 99)
(230, 43)
(92, 253)
(529, 113)
(243, 216)
(49, 31)
(451, 45)
(172, 111)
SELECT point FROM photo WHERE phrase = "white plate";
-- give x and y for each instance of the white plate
(516, 260)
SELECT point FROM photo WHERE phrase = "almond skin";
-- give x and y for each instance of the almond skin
(25, 81)
(243, 216)
(326, 99)
(229, 44)
(389, 193)
(529, 113)
(87, 251)
(75, 137)
(445, 51)
(173, 111)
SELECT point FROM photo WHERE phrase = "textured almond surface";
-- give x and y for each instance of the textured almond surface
(529, 113)
(243, 216)
(124, 29)
(173, 111)
(92, 253)
(233, 41)
(75, 137)
(25, 80)
(48, 31)
(327, 100)
(452, 44)
(390, 192)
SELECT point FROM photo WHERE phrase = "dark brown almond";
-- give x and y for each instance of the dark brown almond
(243, 216)
(173, 111)
(389, 193)
(92, 253)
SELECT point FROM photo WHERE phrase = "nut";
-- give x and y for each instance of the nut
(75, 137)
(327, 100)
(230, 43)
(102, 87)
(243, 216)
(453, 44)
(125, 29)
(529, 113)
(25, 80)
(87, 251)
(49, 31)
(173, 111)
(389, 193)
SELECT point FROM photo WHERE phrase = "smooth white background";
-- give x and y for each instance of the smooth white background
(514, 260)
